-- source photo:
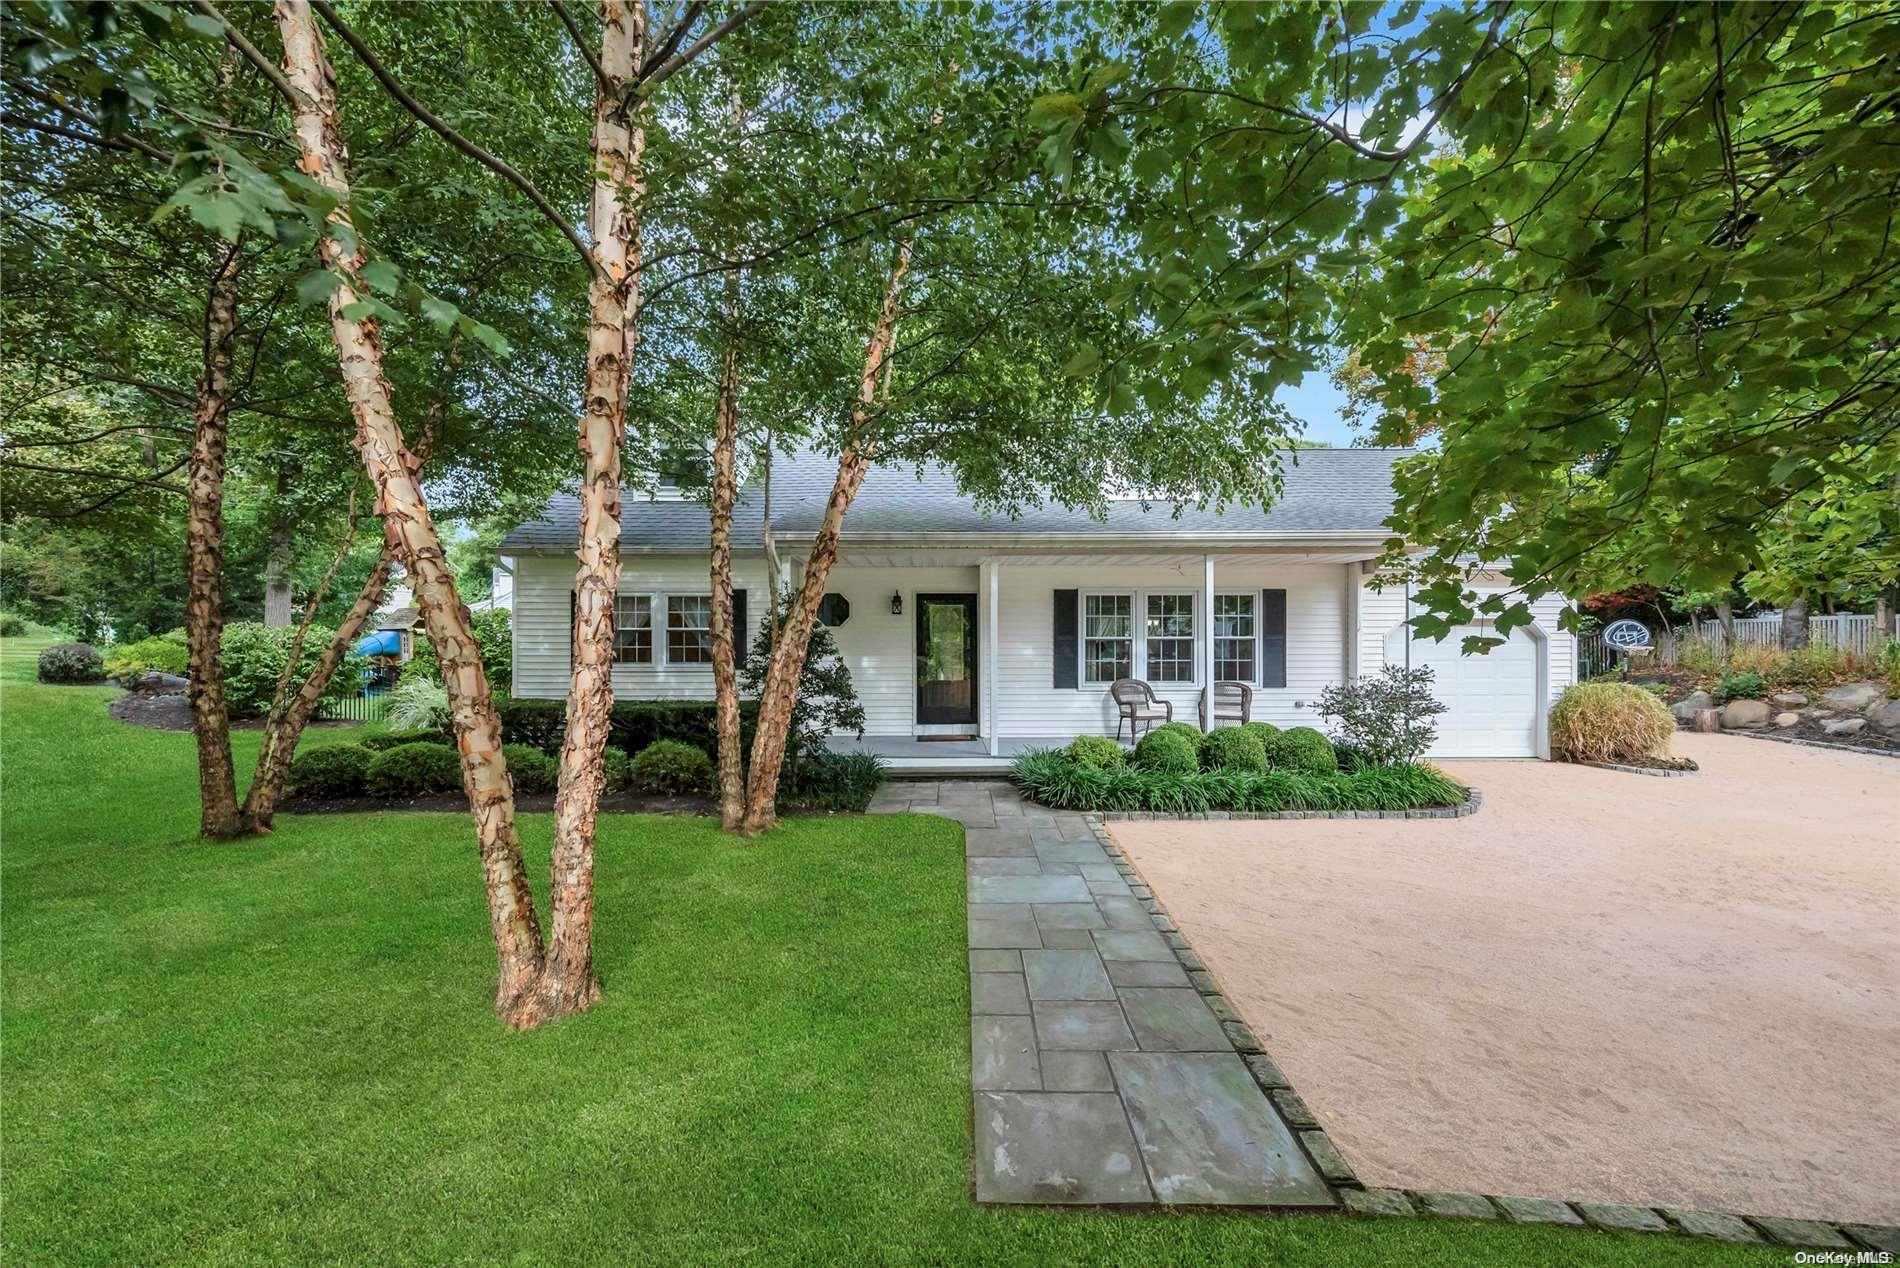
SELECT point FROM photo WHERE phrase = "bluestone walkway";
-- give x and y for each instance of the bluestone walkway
(1101, 1071)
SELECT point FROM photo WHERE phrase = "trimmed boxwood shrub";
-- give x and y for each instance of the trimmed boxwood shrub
(532, 770)
(1262, 731)
(1096, 750)
(1186, 730)
(1609, 722)
(1165, 749)
(1049, 778)
(334, 770)
(71, 663)
(834, 781)
(619, 768)
(395, 739)
(671, 766)
(413, 770)
(1302, 750)
(636, 724)
(1231, 748)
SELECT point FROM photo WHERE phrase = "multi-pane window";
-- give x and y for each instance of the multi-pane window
(1108, 637)
(689, 629)
(1170, 637)
(1233, 638)
(633, 629)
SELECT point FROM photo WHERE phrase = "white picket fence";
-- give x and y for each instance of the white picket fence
(1848, 632)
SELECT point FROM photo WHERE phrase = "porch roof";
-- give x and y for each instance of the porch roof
(1329, 494)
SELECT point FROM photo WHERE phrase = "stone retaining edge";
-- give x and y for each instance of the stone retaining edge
(1357, 1199)
(1820, 744)
(1637, 770)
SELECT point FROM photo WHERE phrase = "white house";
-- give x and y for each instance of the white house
(971, 636)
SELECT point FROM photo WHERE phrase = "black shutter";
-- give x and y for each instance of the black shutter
(1068, 655)
(739, 643)
(1273, 638)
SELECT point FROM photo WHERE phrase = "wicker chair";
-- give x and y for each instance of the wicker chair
(1138, 706)
(1233, 702)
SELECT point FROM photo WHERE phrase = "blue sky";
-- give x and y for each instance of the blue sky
(1316, 402)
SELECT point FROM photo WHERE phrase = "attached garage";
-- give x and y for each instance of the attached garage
(1497, 700)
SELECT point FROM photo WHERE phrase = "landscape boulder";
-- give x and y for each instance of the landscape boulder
(156, 683)
(1855, 696)
(1841, 728)
(1789, 699)
(1787, 719)
(1744, 715)
(1886, 716)
(1685, 709)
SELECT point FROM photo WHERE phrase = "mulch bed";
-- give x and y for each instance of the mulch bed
(1809, 732)
(171, 711)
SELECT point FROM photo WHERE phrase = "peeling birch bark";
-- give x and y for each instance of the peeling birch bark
(204, 554)
(788, 657)
(568, 984)
(407, 526)
(725, 638)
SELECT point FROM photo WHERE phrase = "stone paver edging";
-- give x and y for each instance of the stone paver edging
(1658, 771)
(1108, 1069)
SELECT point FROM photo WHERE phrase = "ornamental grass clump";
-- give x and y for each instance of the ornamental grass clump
(1609, 722)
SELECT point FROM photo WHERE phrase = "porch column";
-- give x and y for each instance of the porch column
(1207, 640)
(991, 588)
(1349, 661)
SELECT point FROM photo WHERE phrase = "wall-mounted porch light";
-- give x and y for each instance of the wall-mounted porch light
(897, 603)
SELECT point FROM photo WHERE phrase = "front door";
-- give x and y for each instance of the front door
(946, 659)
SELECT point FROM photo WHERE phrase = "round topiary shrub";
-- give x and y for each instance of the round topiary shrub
(1096, 751)
(395, 739)
(335, 770)
(1262, 731)
(1164, 749)
(532, 770)
(71, 662)
(415, 770)
(1302, 750)
(1609, 722)
(1232, 748)
(1186, 730)
(668, 766)
(619, 768)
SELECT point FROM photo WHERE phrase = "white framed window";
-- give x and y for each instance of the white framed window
(1168, 636)
(1236, 642)
(1108, 637)
(689, 629)
(633, 629)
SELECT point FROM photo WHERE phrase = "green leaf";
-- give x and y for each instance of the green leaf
(487, 336)
(440, 313)
(382, 275)
(316, 287)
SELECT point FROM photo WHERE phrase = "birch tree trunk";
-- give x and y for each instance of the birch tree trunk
(782, 673)
(568, 984)
(724, 636)
(204, 554)
(279, 560)
(408, 528)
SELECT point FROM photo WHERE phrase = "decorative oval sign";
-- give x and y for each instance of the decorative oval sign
(1626, 635)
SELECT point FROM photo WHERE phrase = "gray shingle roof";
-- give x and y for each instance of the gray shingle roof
(1328, 492)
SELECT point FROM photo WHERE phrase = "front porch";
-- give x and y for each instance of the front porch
(908, 755)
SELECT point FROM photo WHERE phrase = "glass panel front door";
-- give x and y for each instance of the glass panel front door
(946, 659)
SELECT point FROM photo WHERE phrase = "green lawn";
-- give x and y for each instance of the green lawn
(281, 1049)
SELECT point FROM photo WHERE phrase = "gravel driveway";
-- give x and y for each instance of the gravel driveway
(1602, 987)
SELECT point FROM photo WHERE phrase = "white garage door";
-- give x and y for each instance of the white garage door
(1492, 698)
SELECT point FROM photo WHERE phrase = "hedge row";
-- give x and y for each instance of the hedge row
(636, 724)
(1051, 778)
